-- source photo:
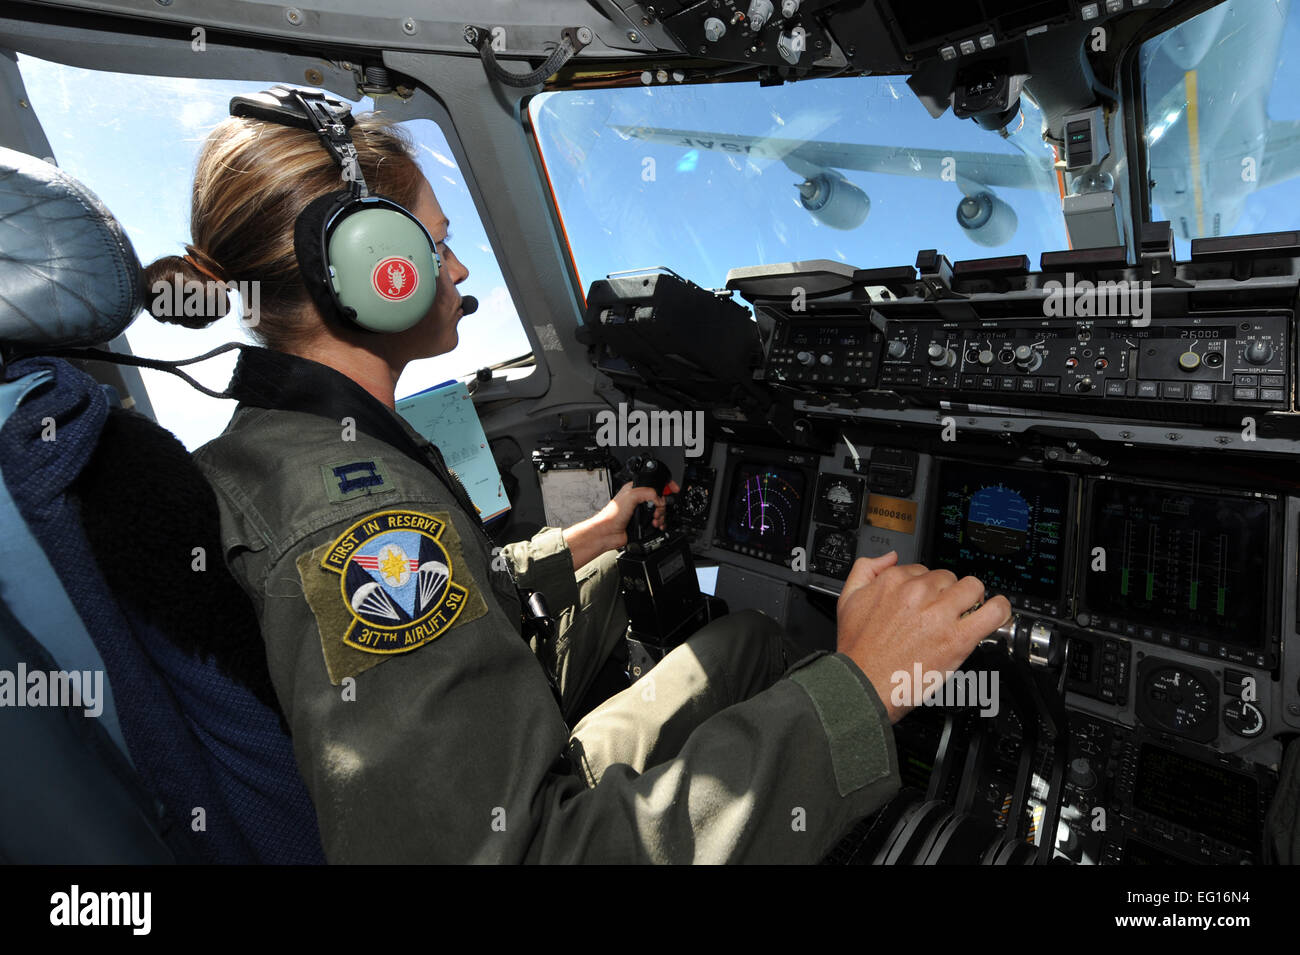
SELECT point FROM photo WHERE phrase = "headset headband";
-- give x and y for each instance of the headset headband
(323, 115)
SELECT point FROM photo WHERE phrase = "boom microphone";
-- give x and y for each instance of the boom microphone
(469, 305)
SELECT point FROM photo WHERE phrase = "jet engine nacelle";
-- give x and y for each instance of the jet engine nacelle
(987, 219)
(834, 200)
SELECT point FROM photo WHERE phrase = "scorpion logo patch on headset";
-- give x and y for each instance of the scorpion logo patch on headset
(395, 278)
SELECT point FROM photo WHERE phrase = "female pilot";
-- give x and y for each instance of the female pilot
(425, 727)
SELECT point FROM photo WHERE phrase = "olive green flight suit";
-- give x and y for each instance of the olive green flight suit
(427, 732)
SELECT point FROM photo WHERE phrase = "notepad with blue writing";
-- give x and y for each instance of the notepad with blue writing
(445, 414)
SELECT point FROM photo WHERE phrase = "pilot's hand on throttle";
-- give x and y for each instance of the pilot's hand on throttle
(891, 617)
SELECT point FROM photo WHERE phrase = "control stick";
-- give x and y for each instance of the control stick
(649, 472)
(660, 589)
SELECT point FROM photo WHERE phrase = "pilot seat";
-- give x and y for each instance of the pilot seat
(137, 718)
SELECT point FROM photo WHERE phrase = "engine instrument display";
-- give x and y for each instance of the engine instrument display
(1194, 564)
(765, 508)
(1003, 525)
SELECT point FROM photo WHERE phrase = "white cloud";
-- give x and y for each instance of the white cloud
(199, 114)
(445, 160)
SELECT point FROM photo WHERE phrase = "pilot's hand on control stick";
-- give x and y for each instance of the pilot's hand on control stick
(891, 617)
(607, 530)
(618, 512)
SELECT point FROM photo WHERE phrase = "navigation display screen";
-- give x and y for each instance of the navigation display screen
(765, 505)
(1195, 564)
(1004, 526)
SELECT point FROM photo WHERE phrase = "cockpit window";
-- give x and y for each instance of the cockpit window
(705, 178)
(134, 141)
(1223, 121)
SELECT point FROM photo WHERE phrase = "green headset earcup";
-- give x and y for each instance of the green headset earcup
(382, 267)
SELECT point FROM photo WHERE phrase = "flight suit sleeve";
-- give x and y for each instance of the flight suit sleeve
(545, 564)
(448, 752)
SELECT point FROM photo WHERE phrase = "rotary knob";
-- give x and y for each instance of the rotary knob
(760, 11)
(897, 349)
(805, 358)
(1259, 352)
(1189, 361)
(1083, 386)
(714, 29)
(826, 359)
(986, 357)
(1028, 359)
(940, 356)
(1081, 774)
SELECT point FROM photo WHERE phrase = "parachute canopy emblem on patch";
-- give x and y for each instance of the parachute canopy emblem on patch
(396, 580)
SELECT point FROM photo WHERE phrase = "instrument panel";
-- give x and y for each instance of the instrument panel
(1124, 477)
(1169, 595)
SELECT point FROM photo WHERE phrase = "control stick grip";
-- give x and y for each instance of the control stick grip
(651, 472)
(647, 472)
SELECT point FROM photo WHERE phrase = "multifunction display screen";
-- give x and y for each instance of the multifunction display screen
(1193, 564)
(1003, 525)
(765, 506)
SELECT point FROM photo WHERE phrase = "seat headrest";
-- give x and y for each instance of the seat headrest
(68, 273)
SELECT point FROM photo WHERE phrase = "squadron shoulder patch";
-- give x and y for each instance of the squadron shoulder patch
(390, 583)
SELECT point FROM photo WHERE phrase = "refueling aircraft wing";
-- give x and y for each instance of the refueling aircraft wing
(1282, 154)
(988, 169)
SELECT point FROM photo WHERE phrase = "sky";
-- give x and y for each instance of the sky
(625, 203)
(705, 211)
(134, 140)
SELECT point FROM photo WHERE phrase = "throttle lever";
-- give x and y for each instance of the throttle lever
(1030, 641)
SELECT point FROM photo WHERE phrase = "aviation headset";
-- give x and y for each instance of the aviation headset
(364, 258)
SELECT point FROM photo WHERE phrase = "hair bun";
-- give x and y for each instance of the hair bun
(177, 292)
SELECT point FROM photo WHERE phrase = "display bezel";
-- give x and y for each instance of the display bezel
(807, 464)
(1056, 607)
(1266, 654)
(1194, 764)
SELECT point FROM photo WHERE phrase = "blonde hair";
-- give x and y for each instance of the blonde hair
(252, 180)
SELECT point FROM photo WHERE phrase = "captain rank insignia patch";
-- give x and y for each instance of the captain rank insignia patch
(398, 581)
